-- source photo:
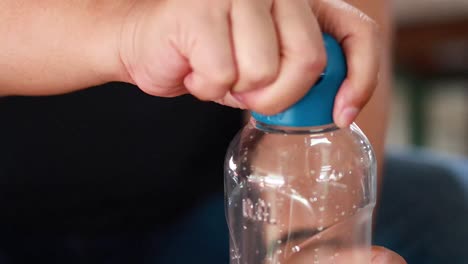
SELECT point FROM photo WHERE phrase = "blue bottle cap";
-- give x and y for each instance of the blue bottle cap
(316, 108)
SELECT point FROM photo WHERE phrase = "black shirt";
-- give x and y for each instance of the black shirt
(110, 157)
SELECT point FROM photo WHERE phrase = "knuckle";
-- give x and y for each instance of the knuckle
(370, 26)
(216, 86)
(267, 108)
(223, 77)
(259, 76)
(313, 61)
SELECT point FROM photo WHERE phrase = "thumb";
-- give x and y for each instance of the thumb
(382, 255)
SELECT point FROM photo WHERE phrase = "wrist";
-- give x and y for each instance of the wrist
(107, 42)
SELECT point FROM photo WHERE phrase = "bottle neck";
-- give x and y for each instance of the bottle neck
(292, 130)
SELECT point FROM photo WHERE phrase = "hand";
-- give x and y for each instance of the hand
(379, 255)
(382, 255)
(263, 55)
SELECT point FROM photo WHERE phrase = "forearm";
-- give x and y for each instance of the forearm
(54, 46)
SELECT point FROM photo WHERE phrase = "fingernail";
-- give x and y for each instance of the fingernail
(238, 97)
(347, 116)
(239, 101)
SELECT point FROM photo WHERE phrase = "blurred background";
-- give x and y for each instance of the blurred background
(424, 206)
(430, 106)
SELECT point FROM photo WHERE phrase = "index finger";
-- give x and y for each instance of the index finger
(358, 35)
(302, 60)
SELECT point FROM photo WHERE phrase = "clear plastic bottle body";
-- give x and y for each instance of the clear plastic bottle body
(300, 195)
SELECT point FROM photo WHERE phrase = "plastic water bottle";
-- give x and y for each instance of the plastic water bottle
(299, 189)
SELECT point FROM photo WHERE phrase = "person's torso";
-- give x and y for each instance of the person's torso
(108, 157)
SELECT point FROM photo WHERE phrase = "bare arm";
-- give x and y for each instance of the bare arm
(210, 49)
(55, 46)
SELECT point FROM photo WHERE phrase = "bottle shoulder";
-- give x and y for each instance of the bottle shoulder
(281, 150)
(254, 136)
(335, 160)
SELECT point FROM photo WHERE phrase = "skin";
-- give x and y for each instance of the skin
(378, 255)
(373, 119)
(260, 55)
(237, 52)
